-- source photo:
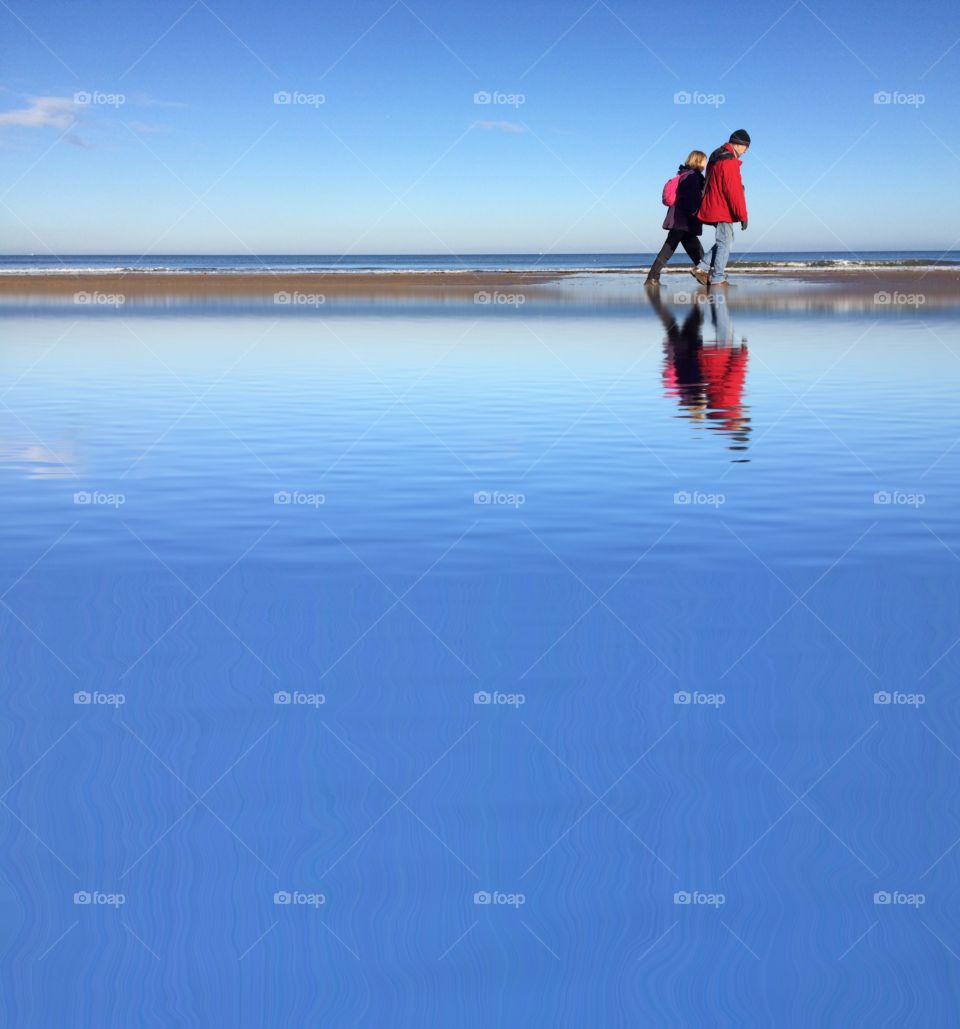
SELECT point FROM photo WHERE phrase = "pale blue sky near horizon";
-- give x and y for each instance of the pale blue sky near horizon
(399, 157)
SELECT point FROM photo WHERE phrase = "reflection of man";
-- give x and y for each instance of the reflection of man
(706, 379)
(719, 317)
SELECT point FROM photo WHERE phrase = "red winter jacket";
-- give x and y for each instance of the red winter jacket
(723, 199)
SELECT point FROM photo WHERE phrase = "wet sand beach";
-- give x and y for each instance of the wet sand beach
(856, 288)
(267, 283)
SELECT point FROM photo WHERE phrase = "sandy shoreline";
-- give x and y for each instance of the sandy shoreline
(267, 284)
(939, 285)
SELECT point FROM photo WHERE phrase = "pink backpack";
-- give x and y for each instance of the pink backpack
(670, 190)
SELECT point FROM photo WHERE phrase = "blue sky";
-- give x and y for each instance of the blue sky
(386, 151)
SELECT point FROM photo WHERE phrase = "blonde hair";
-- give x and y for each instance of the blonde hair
(697, 159)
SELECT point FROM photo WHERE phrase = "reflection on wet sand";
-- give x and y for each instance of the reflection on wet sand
(704, 368)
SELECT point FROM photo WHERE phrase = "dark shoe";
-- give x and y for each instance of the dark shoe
(700, 276)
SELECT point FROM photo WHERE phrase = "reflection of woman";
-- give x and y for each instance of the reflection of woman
(707, 380)
(681, 371)
(682, 224)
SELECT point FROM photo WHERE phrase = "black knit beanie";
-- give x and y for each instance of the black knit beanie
(741, 136)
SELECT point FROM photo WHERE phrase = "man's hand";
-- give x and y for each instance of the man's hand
(743, 225)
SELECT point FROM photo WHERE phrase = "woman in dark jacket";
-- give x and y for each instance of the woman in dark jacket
(682, 225)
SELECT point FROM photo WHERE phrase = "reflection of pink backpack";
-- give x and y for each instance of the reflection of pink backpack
(670, 190)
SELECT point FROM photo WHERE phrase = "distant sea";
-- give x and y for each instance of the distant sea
(386, 263)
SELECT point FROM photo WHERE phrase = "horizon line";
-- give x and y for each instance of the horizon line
(451, 254)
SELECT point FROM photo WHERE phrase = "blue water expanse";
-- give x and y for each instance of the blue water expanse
(468, 667)
(442, 262)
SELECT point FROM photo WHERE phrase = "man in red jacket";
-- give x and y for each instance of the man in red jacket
(723, 204)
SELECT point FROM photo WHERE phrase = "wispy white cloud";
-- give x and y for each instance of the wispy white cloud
(499, 126)
(66, 113)
(43, 112)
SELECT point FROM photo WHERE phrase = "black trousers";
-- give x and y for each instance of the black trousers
(690, 242)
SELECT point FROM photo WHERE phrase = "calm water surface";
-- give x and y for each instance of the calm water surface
(454, 666)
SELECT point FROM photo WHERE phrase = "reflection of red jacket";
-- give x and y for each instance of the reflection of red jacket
(723, 198)
(724, 371)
